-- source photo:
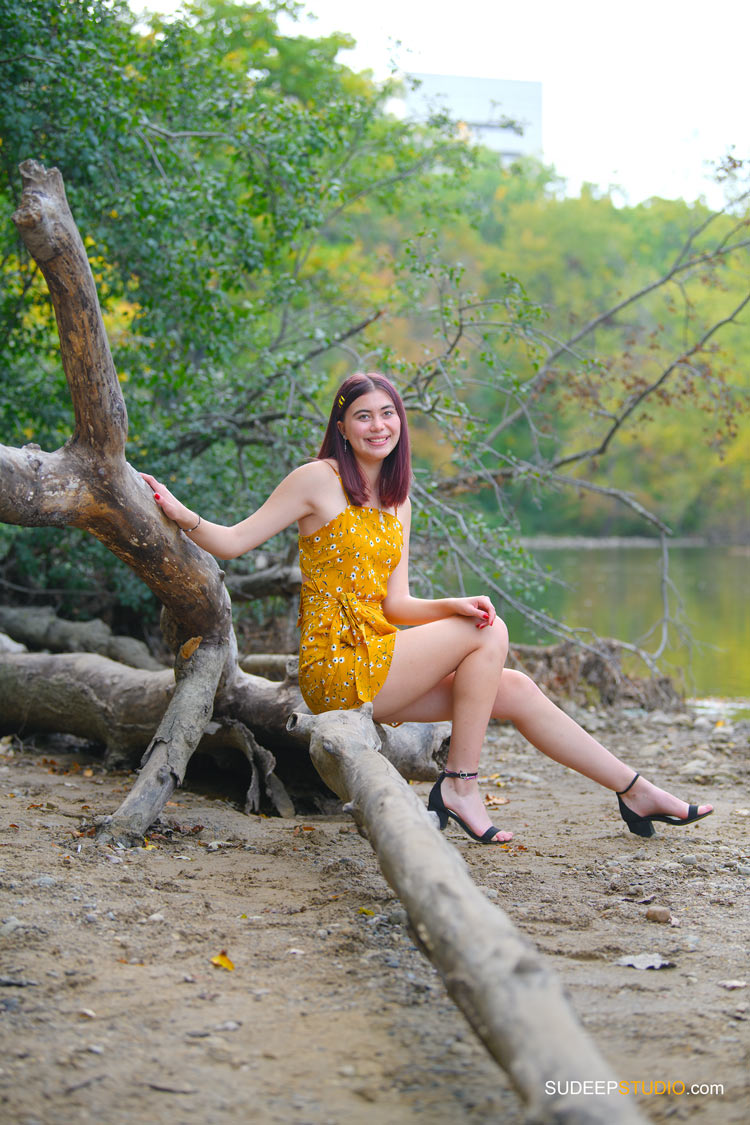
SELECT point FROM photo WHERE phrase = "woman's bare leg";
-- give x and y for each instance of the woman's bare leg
(517, 699)
(562, 739)
(420, 677)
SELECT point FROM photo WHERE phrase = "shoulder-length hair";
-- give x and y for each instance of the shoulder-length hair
(395, 474)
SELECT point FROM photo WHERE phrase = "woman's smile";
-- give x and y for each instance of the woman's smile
(372, 424)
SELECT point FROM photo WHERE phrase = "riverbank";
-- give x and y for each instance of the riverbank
(119, 1004)
(613, 542)
(606, 542)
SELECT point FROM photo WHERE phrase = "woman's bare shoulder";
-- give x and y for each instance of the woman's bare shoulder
(312, 481)
(314, 472)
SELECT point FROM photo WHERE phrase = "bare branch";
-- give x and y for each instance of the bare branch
(636, 400)
(47, 227)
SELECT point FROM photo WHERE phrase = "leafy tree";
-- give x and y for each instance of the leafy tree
(257, 224)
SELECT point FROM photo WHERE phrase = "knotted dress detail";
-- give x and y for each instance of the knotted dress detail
(346, 643)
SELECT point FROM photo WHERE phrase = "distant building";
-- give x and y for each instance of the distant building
(483, 106)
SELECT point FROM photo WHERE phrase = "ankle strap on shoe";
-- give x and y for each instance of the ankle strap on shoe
(622, 792)
(460, 773)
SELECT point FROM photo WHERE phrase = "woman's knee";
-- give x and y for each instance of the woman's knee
(494, 638)
(518, 692)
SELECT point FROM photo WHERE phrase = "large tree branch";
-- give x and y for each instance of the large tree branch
(509, 996)
(52, 238)
(88, 484)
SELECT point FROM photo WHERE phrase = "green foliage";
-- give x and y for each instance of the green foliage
(258, 225)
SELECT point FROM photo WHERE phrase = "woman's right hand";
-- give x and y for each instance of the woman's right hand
(173, 508)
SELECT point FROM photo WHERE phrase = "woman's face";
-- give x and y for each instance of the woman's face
(372, 426)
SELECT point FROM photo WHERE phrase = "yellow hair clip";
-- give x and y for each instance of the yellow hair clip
(342, 400)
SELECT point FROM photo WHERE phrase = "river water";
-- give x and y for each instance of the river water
(616, 592)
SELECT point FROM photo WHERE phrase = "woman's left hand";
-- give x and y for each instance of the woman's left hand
(480, 607)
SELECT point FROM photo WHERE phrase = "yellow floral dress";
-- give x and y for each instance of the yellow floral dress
(346, 644)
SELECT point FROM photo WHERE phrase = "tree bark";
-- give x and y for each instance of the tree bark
(121, 708)
(511, 999)
(279, 580)
(39, 627)
(88, 483)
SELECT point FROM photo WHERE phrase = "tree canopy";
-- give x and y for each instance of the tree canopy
(259, 225)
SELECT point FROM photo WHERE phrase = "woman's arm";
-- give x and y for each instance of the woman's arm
(298, 495)
(402, 609)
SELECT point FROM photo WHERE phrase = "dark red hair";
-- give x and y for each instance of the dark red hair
(395, 474)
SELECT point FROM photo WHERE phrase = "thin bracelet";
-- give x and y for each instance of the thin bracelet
(189, 529)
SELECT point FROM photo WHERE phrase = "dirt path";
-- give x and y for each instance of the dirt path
(111, 1009)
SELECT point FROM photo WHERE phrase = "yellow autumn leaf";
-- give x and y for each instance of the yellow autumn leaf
(190, 647)
(364, 910)
(222, 961)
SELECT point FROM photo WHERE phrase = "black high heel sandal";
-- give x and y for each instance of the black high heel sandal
(436, 804)
(642, 825)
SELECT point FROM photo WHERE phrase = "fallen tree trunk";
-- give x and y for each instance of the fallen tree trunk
(279, 580)
(120, 708)
(511, 999)
(40, 627)
(88, 696)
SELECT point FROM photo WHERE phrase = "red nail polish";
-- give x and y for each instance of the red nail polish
(157, 496)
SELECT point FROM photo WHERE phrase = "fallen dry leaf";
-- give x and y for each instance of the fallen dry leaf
(222, 961)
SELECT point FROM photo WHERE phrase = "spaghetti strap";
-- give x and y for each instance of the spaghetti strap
(338, 477)
(330, 466)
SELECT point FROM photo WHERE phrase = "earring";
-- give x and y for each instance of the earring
(344, 445)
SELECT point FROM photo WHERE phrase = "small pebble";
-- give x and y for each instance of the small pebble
(658, 914)
(688, 860)
(348, 1071)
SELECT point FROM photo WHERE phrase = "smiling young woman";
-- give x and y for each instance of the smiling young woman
(364, 637)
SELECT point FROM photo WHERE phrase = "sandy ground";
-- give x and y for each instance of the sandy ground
(111, 1009)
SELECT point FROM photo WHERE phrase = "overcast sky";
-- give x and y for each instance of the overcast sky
(641, 95)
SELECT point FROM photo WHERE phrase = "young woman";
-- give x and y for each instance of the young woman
(352, 509)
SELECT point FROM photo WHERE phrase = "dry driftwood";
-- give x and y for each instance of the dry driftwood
(280, 579)
(88, 696)
(511, 999)
(41, 628)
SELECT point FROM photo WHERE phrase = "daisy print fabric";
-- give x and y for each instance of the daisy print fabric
(346, 643)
